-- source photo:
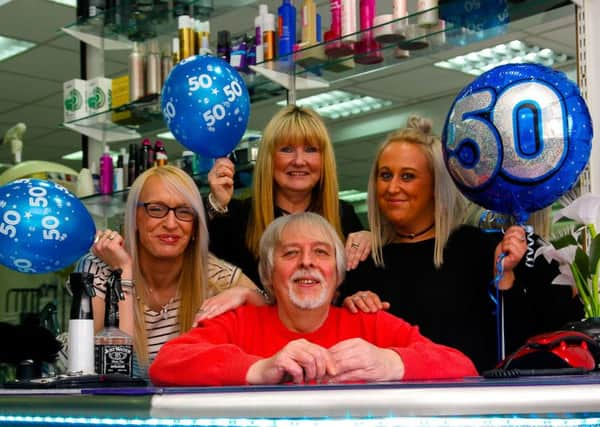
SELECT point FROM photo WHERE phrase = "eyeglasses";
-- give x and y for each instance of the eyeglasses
(160, 210)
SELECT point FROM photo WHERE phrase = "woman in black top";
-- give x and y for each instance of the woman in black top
(437, 274)
(295, 171)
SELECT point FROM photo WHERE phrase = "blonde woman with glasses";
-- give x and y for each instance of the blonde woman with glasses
(169, 277)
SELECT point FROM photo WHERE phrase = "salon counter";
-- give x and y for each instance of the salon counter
(565, 401)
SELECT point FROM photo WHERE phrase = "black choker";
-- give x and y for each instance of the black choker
(413, 235)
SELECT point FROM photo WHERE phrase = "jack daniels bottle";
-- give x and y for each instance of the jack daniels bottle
(113, 348)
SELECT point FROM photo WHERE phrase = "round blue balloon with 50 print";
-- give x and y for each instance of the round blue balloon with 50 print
(206, 105)
(43, 227)
(517, 138)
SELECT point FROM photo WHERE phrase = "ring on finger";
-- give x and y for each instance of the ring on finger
(354, 245)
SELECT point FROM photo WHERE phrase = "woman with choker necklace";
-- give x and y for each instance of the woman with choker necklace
(295, 172)
(434, 272)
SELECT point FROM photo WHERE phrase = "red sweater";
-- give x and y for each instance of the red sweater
(221, 351)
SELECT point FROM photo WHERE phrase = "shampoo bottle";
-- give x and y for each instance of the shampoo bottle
(309, 23)
(286, 29)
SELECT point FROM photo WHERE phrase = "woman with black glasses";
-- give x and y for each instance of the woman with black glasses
(167, 272)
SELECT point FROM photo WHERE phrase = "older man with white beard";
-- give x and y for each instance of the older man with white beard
(302, 337)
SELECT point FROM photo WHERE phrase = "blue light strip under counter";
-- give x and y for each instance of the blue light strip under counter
(493, 421)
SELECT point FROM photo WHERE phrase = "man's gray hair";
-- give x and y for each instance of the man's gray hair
(272, 237)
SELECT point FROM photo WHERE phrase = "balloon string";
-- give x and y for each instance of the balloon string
(496, 297)
(530, 254)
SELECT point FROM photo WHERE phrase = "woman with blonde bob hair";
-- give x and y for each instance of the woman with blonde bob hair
(295, 172)
(167, 272)
(433, 271)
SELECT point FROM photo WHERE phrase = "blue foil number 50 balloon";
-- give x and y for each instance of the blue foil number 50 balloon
(517, 138)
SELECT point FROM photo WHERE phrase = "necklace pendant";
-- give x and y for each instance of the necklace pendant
(164, 312)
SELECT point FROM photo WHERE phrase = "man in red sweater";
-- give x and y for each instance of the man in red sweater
(302, 337)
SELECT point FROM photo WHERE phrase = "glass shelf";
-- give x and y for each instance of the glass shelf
(400, 40)
(320, 65)
(108, 209)
(138, 118)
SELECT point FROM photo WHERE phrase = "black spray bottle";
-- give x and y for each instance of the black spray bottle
(81, 324)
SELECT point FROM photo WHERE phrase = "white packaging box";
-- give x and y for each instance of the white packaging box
(99, 95)
(75, 99)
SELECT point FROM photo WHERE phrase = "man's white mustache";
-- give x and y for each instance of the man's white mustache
(308, 274)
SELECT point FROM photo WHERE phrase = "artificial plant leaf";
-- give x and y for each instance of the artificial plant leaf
(564, 241)
(583, 263)
(594, 252)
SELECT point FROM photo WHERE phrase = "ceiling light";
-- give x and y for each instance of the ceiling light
(513, 52)
(338, 103)
(78, 155)
(72, 3)
(247, 135)
(352, 196)
(11, 47)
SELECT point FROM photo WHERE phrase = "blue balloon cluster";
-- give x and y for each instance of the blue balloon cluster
(206, 105)
(43, 227)
(517, 138)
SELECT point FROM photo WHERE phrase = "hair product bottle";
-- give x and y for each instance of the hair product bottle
(259, 24)
(132, 169)
(203, 37)
(427, 13)
(224, 45)
(250, 55)
(186, 36)
(237, 58)
(136, 74)
(268, 39)
(175, 50)
(118, 174)
(309, 23)
(125, 165)
(369, 51)
(286, 29)
(160, 154)
(166, 64)
(335, 47)
(348, 16)
(153, 75)
(106, 172)
(147, 155)
(81, 324)
(400, 17)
